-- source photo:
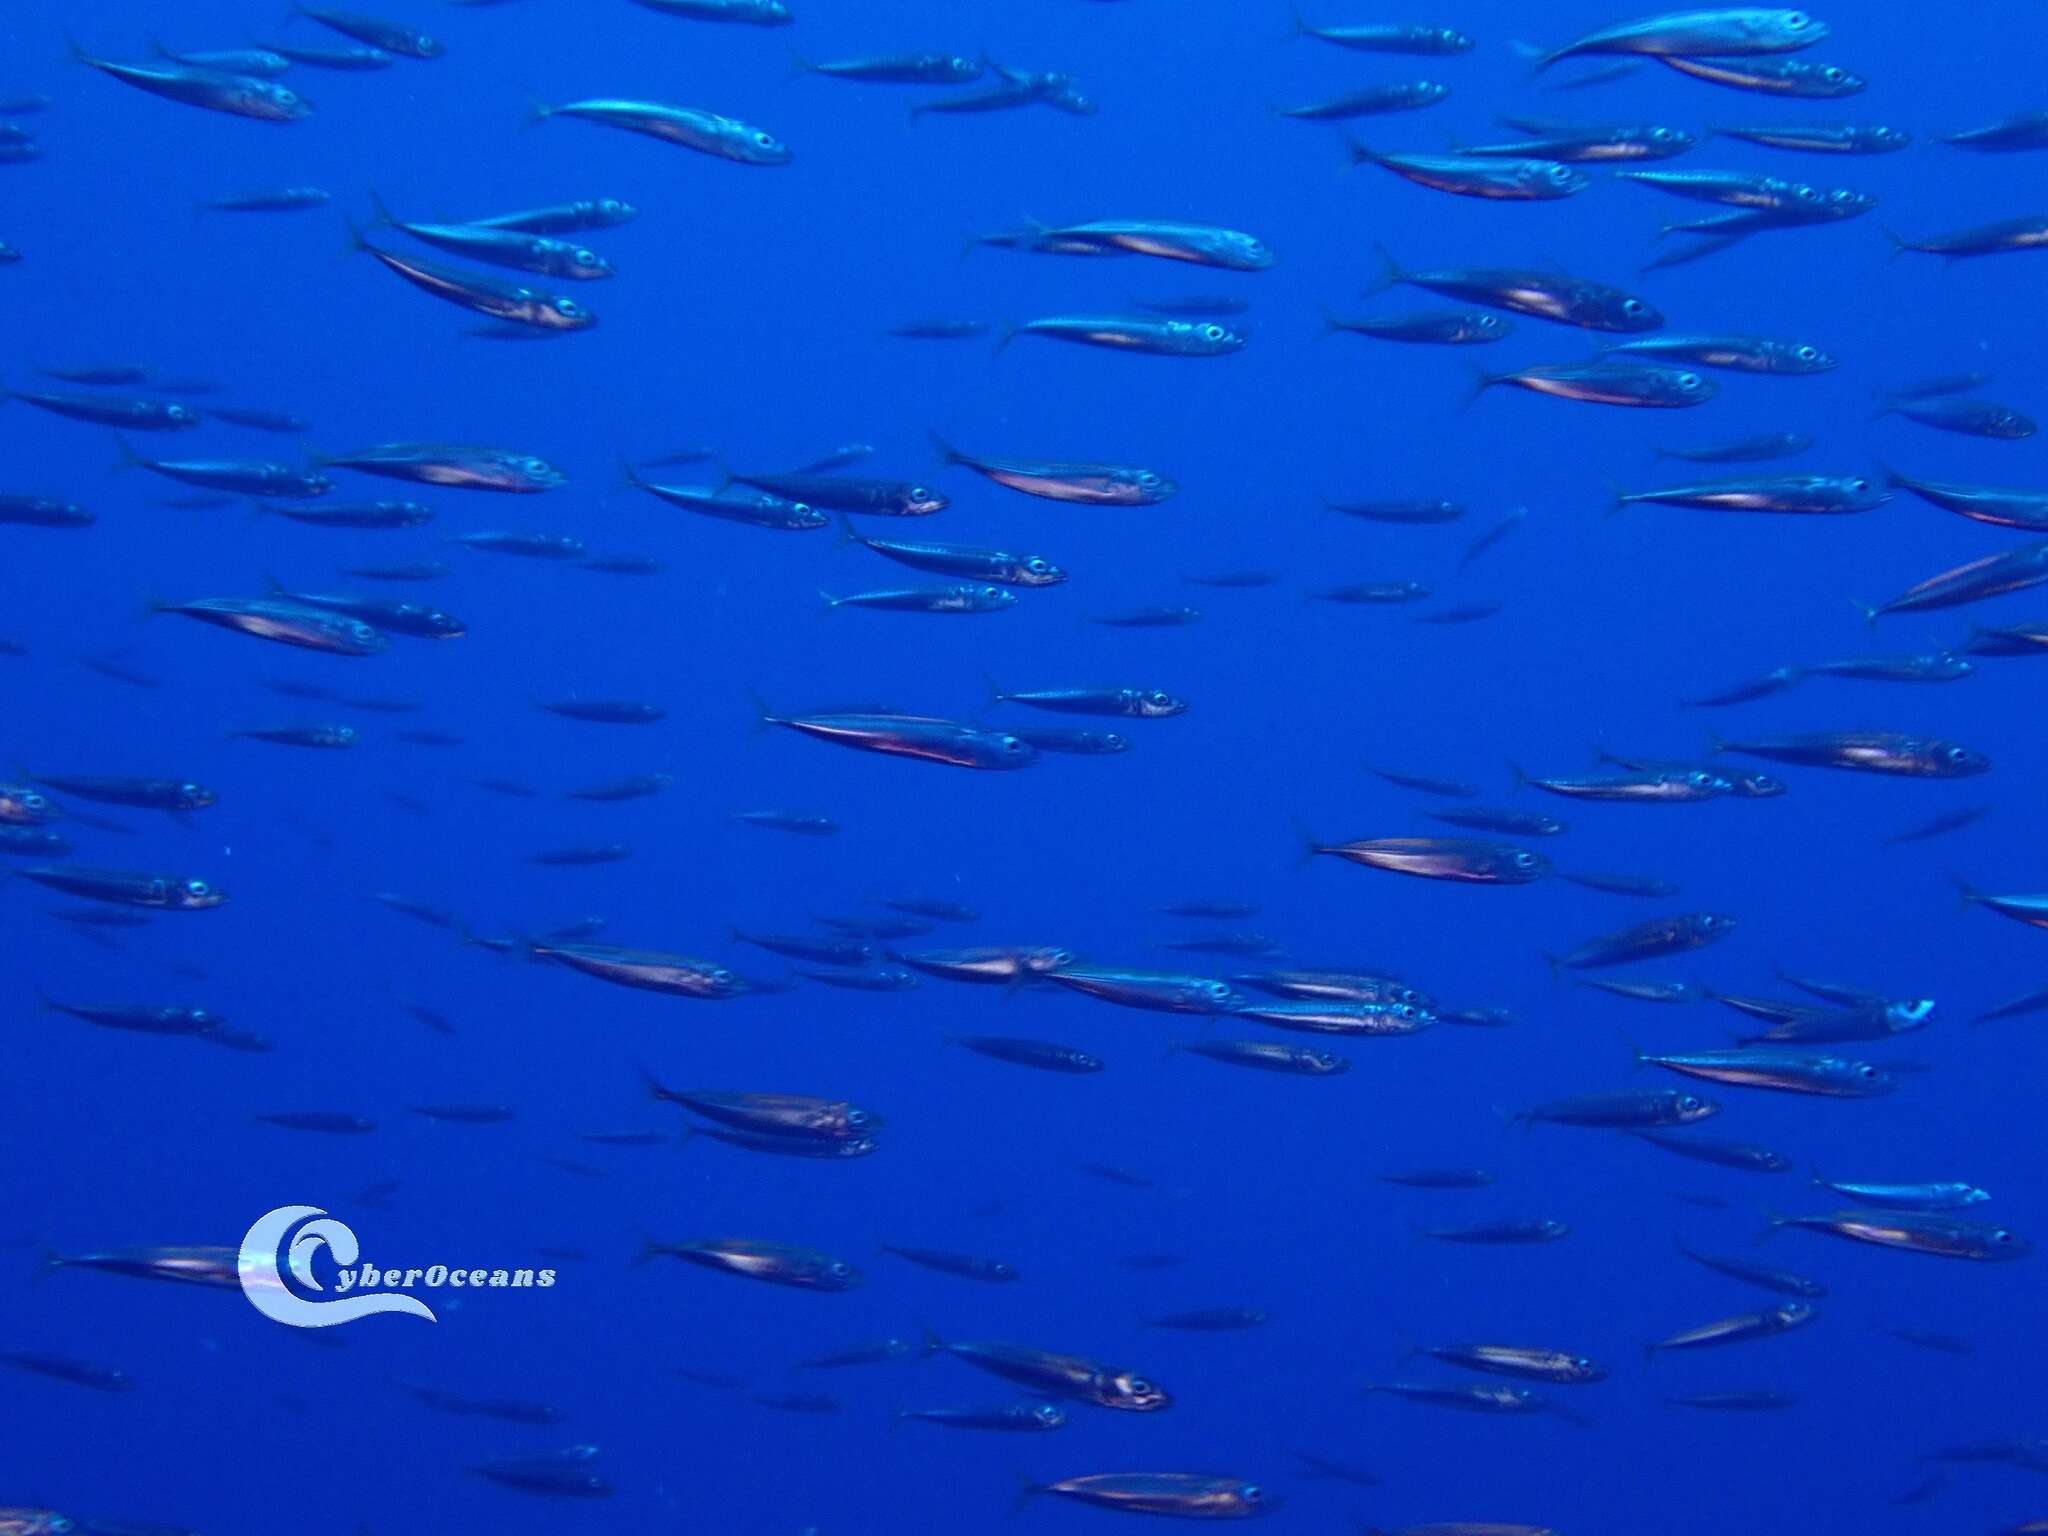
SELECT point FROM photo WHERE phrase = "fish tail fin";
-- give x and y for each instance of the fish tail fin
(1818, 1177)
(829, 600)
(799, 66)
(277, 588)
(1773, 1223)
(1391, 275)
(1027, 1490)
(1482, 381)
(649, 1251)
(629, 477)
(1307, 844)
(1899, 246)
(1967, 895)
(356, 242)
(1620, 494)
(948, 454)
(537, 110)
(1520, 778)
(995, 690)
(129, 457)
(1637, 1059)
(382, 214)
(1300, 27)
(763, 715)
(1007, 333)
(1867, 610)
(931, 1345)
(77, 52)
(656, 1089)
(848, 534)
(1556, 965)
(1358, 152)
(258, 508)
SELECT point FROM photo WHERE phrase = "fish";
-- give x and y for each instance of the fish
(1186, 1495)
(1133, 333)
(709, 133)
(1742, 1155)
(2028, 232)
(1388, 37)
(215, 90)
(1999, 506)
(1800, 79)
(1028, 1417)
(1881, 752)
(1813, 1073)
(374, 32)
(1543, 295)
(1736, 31)
(1467, 860)
(1937, 1235)
(1042, 1054)
(481, 293)
(1058, 480)
(1492, 177)
(780, 1264)
(1603, 383)
(1052, 1375)
(1652, 940)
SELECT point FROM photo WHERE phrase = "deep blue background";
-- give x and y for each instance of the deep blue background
(748, 317)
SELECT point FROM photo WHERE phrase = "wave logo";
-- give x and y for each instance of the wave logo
(278, 1299)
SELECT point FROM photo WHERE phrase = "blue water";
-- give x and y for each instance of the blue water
(747, 317)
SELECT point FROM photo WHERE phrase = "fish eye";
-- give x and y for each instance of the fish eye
(766, 141)
(1251, 1493)
(1012, 745)
(1632, 306)
(1214, 332)
(2001, 1236)
(1525, 860)
(584, 258)
(188, 789)
(1806, 354)
(840, 1267)
(534, 466)
(1955, 754)
(1140, 1386)
(1561, 173)
(957, 62)
(1689, 381)
(1688, 1102)
(1582, 1363)
(1832, 74)
(1660, 135)
(198, 888)
(1865, 1071)
(567, 308)
(857, 1117)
